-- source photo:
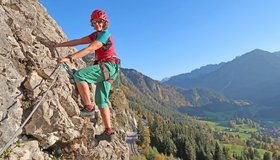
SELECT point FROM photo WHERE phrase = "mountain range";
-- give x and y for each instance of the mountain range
(246, 86)
(253, 76)
(172, 96)
(140, 89)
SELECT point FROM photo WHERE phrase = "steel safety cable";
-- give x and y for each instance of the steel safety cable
(10, 142)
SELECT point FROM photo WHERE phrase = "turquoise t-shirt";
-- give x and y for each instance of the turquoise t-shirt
(103, 37)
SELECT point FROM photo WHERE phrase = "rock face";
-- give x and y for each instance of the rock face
(27, 68)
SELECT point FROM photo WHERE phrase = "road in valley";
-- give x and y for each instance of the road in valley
(131, 141)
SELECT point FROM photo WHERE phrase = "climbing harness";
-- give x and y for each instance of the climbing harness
(106, 74)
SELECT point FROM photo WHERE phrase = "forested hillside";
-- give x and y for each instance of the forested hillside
(164, 132)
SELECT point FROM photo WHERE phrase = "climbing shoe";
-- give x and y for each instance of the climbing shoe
(86, 112)
(105, 136)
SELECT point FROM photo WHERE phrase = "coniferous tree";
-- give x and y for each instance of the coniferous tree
(152, 153)
(267, 156)
(227, 153)
(169, 146)
(218, 155)
(251, 153)
(146, 143)
(140, 132)
(190, 151)
(257, 154)
(159, 157)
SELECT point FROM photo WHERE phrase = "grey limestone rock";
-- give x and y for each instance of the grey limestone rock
(26, 67)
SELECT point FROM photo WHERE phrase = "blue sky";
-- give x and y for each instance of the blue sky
(162, 38)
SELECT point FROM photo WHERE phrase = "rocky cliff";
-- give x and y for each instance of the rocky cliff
(27, 69)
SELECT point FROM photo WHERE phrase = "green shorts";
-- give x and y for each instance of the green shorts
(94, 74)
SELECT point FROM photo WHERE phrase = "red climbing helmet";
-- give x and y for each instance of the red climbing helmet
(99, 14)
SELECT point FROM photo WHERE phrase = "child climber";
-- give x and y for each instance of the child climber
(102, 73)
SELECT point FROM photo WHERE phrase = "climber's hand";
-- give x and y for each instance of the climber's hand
(62, 59)
(52, 44)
